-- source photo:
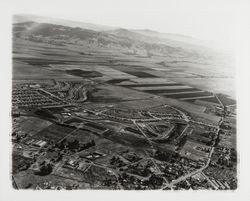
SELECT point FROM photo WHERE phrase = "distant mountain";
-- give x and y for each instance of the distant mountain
(122, 39)
(132, 35)
(176, 40)
(188, 40)
(52, 30)
(24, 18)
(141, 42)
(178, 37)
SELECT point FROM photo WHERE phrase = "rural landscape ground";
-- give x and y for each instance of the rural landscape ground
(112, 108)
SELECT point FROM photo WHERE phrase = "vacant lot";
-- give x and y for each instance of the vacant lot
(19, 162)
(32, 125)
(54, 133)
(191, 151)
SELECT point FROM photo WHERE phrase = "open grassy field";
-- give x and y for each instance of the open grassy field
(167, 91)
(191, 151)
(190, 95)
(22, 71)
(25, 179)
(110, 93)
(54, 133)
(20, 161)
(32, 125)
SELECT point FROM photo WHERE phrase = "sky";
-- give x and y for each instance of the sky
(213, 20)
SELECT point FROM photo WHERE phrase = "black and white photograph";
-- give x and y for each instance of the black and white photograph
(123, 96)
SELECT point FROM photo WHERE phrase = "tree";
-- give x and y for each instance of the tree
(45, 169)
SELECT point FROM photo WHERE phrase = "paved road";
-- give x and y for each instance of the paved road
(182, 178)
(14, 182)
(212, 183)
(67, 135)
(219, 100)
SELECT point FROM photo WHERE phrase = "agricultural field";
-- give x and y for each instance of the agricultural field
(112, 94)
(186, 96)
(31, 181)
(195, 151)
(30, 125)
(53, 133)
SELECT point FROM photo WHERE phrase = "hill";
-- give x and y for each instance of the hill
(119, 38)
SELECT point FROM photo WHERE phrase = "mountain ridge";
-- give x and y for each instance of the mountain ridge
(161, 37)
